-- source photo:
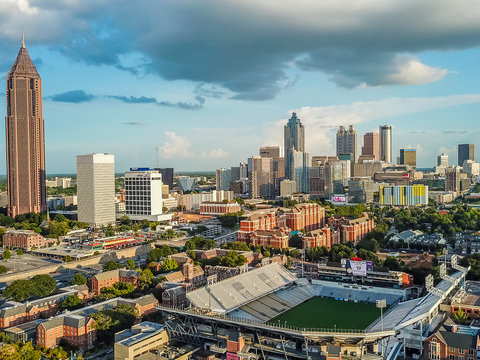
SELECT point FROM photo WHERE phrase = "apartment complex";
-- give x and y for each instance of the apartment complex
(219, 208)
(412, 195)
(25, 239)
(109, 278)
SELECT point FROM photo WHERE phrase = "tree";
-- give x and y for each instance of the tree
(130, 264)
(79, 279)
(156, 254)
(44, 285)
(295, 241)
(232, 259)
(111, 265)
(6, 254)
(109, 232)
(145, 279)
(169, 265)
(200, 243)
(19, 290)
(68, 258)
(236, 245)
(20, 252)
(71, 302)
(391, 263)
(3, 269)
(102, 321)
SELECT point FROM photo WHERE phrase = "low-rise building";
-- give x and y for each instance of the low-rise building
(139, 339)
(352, 230)
(25, 239)
(219, 208)
(109, 278)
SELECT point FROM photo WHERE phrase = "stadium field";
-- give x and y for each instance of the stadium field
(329, 313)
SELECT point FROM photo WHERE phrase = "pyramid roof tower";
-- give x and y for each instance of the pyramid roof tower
(23, 63)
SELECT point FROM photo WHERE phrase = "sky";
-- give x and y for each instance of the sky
(200, 85)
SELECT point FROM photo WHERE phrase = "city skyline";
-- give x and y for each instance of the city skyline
(121, 83)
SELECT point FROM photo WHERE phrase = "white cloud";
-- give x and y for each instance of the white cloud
(215, 154)
(411, 71)
(176, 146)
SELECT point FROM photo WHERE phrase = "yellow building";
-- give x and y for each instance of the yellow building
(139, 339)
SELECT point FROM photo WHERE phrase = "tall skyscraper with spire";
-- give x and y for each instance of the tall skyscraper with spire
(294, 135)
(25, 137)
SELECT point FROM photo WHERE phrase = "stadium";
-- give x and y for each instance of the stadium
(282, 315)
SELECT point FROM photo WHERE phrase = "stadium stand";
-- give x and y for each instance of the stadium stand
(232, 293)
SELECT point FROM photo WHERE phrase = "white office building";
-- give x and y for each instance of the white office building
(96, 189)
(143, 195)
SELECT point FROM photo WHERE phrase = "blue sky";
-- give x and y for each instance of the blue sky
(204, 84)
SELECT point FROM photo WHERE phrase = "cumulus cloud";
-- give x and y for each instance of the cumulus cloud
(249, 47)
(322, 121)
(73, 96)
(175, 146)
(215, 154)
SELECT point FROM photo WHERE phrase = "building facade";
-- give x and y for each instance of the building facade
(167, 176)
(25, 138)
(294, 140)
(25, 239)
(347, 142)
(465, 152)
(371, 145)
(408, 157)
(219, 208)
(412, 195)
(385, 132)
(96, 189)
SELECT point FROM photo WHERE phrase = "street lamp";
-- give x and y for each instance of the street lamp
(382, 303)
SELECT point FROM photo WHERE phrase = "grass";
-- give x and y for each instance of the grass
(329, 313)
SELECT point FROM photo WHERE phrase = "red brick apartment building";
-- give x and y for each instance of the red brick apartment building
(14, 313)
(452, 342)
(308, 217)
(352, 230)
(109, 278)
(78, 328)
(25, 239)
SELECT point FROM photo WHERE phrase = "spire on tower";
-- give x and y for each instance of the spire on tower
(23, 40)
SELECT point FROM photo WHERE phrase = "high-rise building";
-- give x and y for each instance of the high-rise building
(465, 152)
(186, 183)
(442, 160)
(347, 141)
(261, 177)
(243, 170)
(294, 136)
(371, 145)
(300, 171)
(270, 151)
(360, 190)
(408, 157)
(143, 195)
(167, 176)
(96, 189)
(386, 143)
(25, 137)
(223, 179)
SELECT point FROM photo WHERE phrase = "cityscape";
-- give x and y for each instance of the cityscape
(332, 241)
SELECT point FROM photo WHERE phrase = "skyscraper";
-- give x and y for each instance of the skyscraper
(465, 152)
(25, 137)
(96, 189)
(386, 143)
(371, 145)
(442, 160)
(347, 141)
(294, 136)
(408, 157)
(167, 176)
(223, 179)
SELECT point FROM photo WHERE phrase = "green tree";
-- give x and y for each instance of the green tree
(79, 279)
(156, 254)
(3, 269)
(20, 252)
(6, 254)
(169, 265)
(295, 241)
(71, 302)
(109, 232)
(145, 279)
(232, 259)
(391, 263)
(111, 265)
(200, 243)
(236, 245)
(44, 285)
(130, 264)
(19, 290)
(102, 320)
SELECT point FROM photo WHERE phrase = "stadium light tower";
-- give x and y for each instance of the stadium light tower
(382, 303)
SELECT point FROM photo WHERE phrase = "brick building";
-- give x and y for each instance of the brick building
(453, 342)
(25, 239)
(352, 229)
(262, 221)
(190, 274)
(219, 208)
(109, 278)
(317, 238)
(276, 238)
(307, 216)
(78, 328)
(15, 313)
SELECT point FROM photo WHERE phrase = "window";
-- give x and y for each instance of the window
(452, 349)
(451, 357)
(461, 351)
(471, 352)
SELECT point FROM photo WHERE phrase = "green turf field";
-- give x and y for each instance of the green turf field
(320, 312)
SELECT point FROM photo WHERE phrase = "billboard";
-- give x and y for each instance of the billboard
(339, 198)
(358, 267)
